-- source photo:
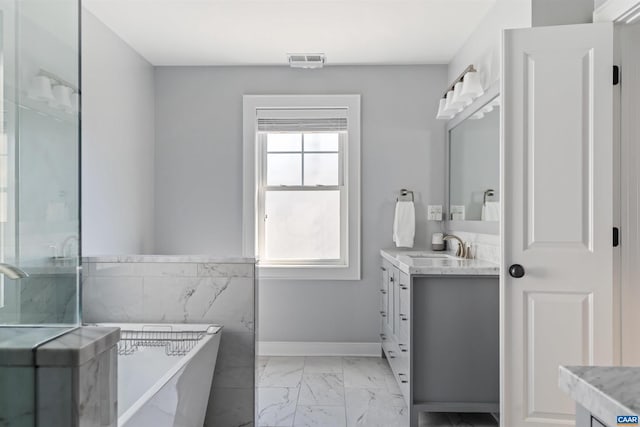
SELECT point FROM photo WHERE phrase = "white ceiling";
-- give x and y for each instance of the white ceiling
(257, 32)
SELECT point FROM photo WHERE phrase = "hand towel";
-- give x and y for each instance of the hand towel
(491, 211)
(404, 224)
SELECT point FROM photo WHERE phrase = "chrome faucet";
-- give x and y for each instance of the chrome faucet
(12, 272)
(462, 251)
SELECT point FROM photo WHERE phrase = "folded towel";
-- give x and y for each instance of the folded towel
(491, 211)
(404, 224)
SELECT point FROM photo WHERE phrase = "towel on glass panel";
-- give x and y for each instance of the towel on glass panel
(404, 224)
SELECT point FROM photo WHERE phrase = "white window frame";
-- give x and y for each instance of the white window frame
(349, 267)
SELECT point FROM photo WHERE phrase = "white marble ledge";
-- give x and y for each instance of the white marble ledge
(17, 343)
(606, 392)
(437, 263)
(78, 346)
(170, 258)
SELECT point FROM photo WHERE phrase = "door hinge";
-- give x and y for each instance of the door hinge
(616, 75)
(616, 237)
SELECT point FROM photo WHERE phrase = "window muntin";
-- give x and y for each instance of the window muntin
(302, 195)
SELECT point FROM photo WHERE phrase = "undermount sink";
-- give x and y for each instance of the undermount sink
(429, 256)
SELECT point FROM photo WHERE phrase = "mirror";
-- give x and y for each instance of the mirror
(474, 166)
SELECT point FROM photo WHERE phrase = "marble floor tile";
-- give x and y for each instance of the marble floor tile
(282, 372)
(323, 365)
(365, 372)
(373, 408)
(321, 389)
(276, 406)
(320, 416)
(336, 392)
(397, 398)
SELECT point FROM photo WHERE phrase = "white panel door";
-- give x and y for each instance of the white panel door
(557, 186)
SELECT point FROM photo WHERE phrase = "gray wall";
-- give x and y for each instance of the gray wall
(561, 12)
(199, 178)
(117, 144)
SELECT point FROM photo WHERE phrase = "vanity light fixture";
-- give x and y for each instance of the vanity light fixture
(471, 85)
(460, 94)
(443, 114)
(449, 106)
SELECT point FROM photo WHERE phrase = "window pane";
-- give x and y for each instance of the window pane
(320, 142)
(321, 169)
(284, 142)
(302, 225)
(284, 169)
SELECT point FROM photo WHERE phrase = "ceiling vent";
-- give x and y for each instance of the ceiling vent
(306, 60)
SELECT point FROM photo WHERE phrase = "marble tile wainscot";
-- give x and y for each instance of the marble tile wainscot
(186, 289)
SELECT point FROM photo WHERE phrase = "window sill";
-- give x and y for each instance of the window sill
(307, 272)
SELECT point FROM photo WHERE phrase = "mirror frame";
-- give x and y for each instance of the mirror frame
(468, 226)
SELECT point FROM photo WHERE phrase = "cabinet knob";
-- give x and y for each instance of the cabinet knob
(391, 279)
(392, 354)
(383, 313)
(404, 317)
(403, 347)
(384, 292)
(383, 269)
(404, 288)
(516, 271)
(403, 378)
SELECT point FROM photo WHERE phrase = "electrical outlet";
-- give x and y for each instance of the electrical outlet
(434, 213)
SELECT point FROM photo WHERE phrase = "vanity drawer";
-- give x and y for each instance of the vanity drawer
(399, 363)
(403, 327)
(404, 294)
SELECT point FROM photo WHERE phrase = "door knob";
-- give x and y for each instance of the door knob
(516, 270)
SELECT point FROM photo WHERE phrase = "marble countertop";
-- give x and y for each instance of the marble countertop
(426, 262)
(170, 258)
(605, 391)
(78, 346)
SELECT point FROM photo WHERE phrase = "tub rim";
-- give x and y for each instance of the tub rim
(210, 330)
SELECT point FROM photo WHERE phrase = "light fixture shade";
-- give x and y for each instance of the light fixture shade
(449, 107)
(40, 89)
(471, 85)
(459, 99)
(442, 114)
(62, 97)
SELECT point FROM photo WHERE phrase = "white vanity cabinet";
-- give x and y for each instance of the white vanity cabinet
(439, 333)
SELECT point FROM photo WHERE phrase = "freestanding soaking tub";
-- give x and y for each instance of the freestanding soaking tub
(165, 373)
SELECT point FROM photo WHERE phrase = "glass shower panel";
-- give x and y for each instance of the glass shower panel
(39, 162)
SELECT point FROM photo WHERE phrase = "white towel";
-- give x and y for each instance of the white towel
(404, 224)
(491, 211)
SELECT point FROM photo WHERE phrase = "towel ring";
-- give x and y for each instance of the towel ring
(488, 193)
(405, 193)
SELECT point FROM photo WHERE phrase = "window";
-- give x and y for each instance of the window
(302, 186)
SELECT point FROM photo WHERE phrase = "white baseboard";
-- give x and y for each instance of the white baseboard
(298, 348)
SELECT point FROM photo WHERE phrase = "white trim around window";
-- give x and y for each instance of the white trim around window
(350, 267)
